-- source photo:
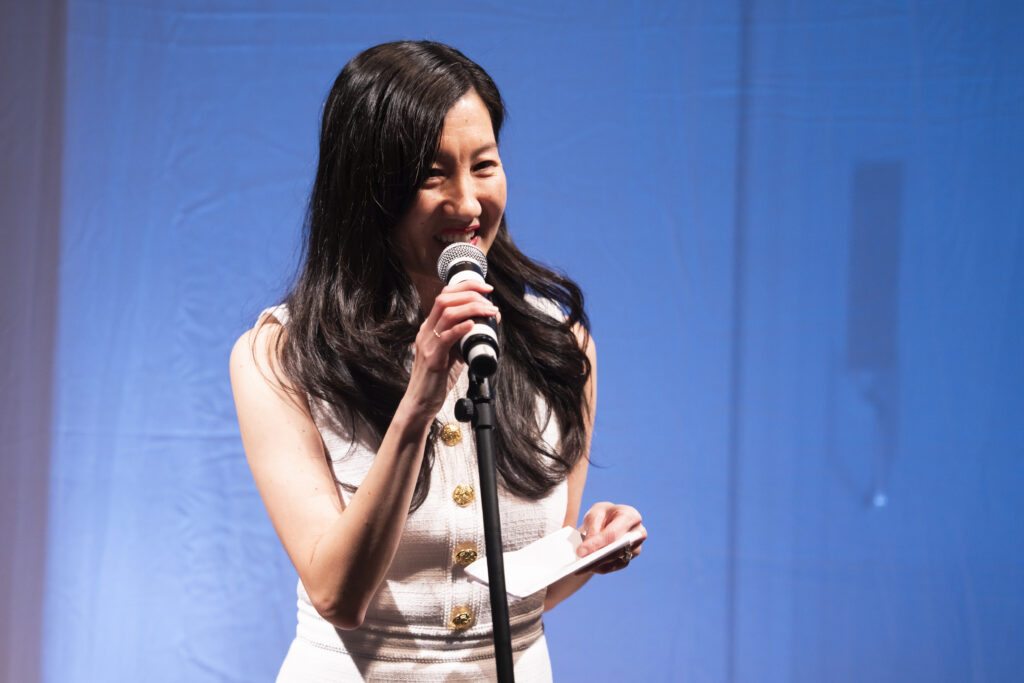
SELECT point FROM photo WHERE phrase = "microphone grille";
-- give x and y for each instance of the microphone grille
(457, 252)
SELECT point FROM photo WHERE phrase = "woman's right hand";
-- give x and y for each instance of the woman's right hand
(450, 318)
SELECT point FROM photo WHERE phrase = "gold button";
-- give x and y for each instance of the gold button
(465, 553)
(451, 434)
(463, 495)
(462, 618)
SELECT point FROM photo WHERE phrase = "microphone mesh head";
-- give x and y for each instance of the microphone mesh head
(456, 252)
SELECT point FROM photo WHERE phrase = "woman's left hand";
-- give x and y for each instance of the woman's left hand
(603, 524)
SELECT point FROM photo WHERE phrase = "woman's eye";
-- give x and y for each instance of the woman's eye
(435, 173)
(487, 163)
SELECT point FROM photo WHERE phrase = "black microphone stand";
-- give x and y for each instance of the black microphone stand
(478, 407)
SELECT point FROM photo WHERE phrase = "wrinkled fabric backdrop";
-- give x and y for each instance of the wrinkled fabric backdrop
(798, 225)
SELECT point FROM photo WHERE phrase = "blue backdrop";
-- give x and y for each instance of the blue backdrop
(798, 225)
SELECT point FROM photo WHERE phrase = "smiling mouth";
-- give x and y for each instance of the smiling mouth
(457, 236)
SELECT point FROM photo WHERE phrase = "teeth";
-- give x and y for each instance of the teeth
(451, 237)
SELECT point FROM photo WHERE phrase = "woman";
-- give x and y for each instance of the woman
(345, 393)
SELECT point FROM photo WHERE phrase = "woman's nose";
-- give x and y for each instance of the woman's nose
(462, 198)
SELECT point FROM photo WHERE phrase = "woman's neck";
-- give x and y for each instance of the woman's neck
(428, 288)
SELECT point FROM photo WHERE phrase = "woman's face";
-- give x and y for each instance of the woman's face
(463, 197)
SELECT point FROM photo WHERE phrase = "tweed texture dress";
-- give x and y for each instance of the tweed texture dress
(428, 621)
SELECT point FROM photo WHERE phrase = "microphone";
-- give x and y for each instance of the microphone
(462, 261)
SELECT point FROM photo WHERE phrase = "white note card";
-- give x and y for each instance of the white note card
(543, 562)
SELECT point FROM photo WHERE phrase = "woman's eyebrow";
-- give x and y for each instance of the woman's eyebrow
(442, 154)
(486, 148)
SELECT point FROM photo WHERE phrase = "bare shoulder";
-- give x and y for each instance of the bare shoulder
(586, 341)
(256, 361)
(255, 345)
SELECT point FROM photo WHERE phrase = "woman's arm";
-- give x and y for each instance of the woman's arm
(342, 553)
(604, 522)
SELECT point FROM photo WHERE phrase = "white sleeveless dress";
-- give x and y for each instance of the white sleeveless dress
(428, 622)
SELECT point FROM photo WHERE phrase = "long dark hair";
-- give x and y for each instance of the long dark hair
(354, 312)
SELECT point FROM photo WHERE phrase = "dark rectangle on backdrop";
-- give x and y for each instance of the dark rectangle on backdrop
(873, 276)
